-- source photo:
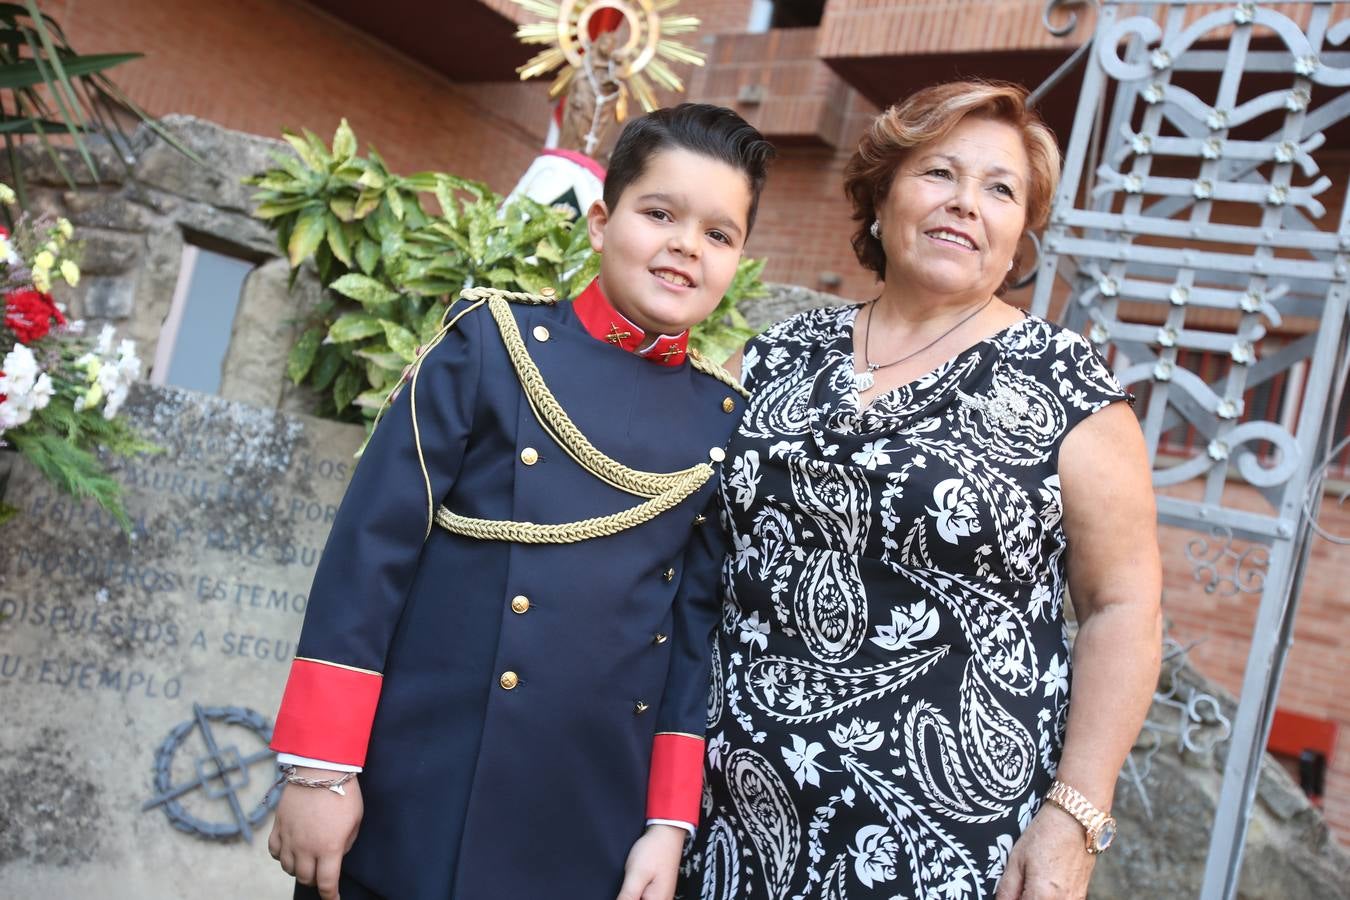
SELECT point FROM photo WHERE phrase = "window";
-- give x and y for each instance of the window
(196, 334)
(766, 14)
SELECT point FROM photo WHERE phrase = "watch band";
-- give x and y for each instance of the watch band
(1075, 804)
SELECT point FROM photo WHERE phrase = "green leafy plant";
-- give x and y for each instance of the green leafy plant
(391, 264)
(48, 90)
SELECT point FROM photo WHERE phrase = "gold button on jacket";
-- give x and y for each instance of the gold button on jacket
(668, 575)
(520, 604)
(529, 456)
(728, 405)
(540, 333)
(509, 680)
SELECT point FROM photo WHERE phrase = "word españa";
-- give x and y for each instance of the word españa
(66, 513)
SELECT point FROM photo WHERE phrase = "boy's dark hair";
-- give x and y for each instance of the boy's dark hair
(713, 131)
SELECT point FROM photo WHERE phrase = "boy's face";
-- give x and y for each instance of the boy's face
(671, 245)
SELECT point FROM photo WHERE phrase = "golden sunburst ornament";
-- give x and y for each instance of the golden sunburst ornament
(634, 64)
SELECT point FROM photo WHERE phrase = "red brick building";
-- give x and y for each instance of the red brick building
(432, 85)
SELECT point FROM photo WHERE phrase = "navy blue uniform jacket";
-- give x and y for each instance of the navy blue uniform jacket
(512, 693)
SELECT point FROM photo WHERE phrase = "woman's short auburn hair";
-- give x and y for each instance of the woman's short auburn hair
(930, 115)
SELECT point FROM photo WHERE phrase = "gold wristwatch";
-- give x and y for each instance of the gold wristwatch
(1100, 827)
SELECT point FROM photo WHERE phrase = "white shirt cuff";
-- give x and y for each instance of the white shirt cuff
(685, 825)
(290, 759)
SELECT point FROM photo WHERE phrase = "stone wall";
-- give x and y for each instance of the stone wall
(137, 669)
(134, 230)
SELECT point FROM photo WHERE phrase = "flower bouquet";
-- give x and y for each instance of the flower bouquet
(60, 393)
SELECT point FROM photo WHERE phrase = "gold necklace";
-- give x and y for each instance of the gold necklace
(864, 380)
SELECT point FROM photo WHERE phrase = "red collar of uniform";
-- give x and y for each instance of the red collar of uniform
(605, 323)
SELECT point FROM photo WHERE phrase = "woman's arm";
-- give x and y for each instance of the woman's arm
(1115, 583)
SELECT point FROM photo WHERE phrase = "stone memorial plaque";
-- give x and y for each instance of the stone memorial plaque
(139, 673)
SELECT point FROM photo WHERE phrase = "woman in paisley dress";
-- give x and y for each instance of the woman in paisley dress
(915, 483)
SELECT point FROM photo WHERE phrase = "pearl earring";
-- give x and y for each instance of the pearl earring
(1010, 265)
(875, 230)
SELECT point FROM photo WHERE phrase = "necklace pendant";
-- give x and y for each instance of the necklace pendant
(863, 380)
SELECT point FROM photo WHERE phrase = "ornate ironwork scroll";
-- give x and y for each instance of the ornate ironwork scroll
(1183, 716)
(1190, 225)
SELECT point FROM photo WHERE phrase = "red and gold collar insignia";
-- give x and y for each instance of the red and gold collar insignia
(605, 323)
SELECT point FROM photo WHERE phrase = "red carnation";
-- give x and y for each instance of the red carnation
(29, 314)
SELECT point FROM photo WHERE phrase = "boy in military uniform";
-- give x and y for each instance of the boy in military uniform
(509, 631)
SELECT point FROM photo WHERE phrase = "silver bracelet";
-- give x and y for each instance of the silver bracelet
(287, 775)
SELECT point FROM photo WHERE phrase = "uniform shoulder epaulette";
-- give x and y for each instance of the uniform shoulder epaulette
(546, 297)
(702, 364)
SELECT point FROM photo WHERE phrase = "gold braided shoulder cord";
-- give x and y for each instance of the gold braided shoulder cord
(663, 491)
(571, 532)
(488, 293)
(560, 427)
(708, 367)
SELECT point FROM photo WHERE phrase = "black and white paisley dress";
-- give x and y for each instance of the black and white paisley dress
(891, 677)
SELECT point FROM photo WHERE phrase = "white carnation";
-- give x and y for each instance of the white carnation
(11, 416)
(105, 340)
(128, 363)
(116, 397)
(21, 370)
(108, 378)
(41, 394)
(7, 254)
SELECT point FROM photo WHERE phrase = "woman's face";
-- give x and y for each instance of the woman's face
(954, 214)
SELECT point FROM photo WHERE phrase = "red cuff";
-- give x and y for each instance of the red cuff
(676, 783)
(327, 711)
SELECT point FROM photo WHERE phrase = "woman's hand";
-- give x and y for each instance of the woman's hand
(653, 864)
(313, 829)
(1049, 861)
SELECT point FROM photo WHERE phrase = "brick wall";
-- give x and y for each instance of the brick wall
(805, 222)
(800, 99)
(716, 16)
(263, 65)
(911, 27)
(882, 28)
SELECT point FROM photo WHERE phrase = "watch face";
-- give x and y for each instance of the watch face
(1105, 835)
